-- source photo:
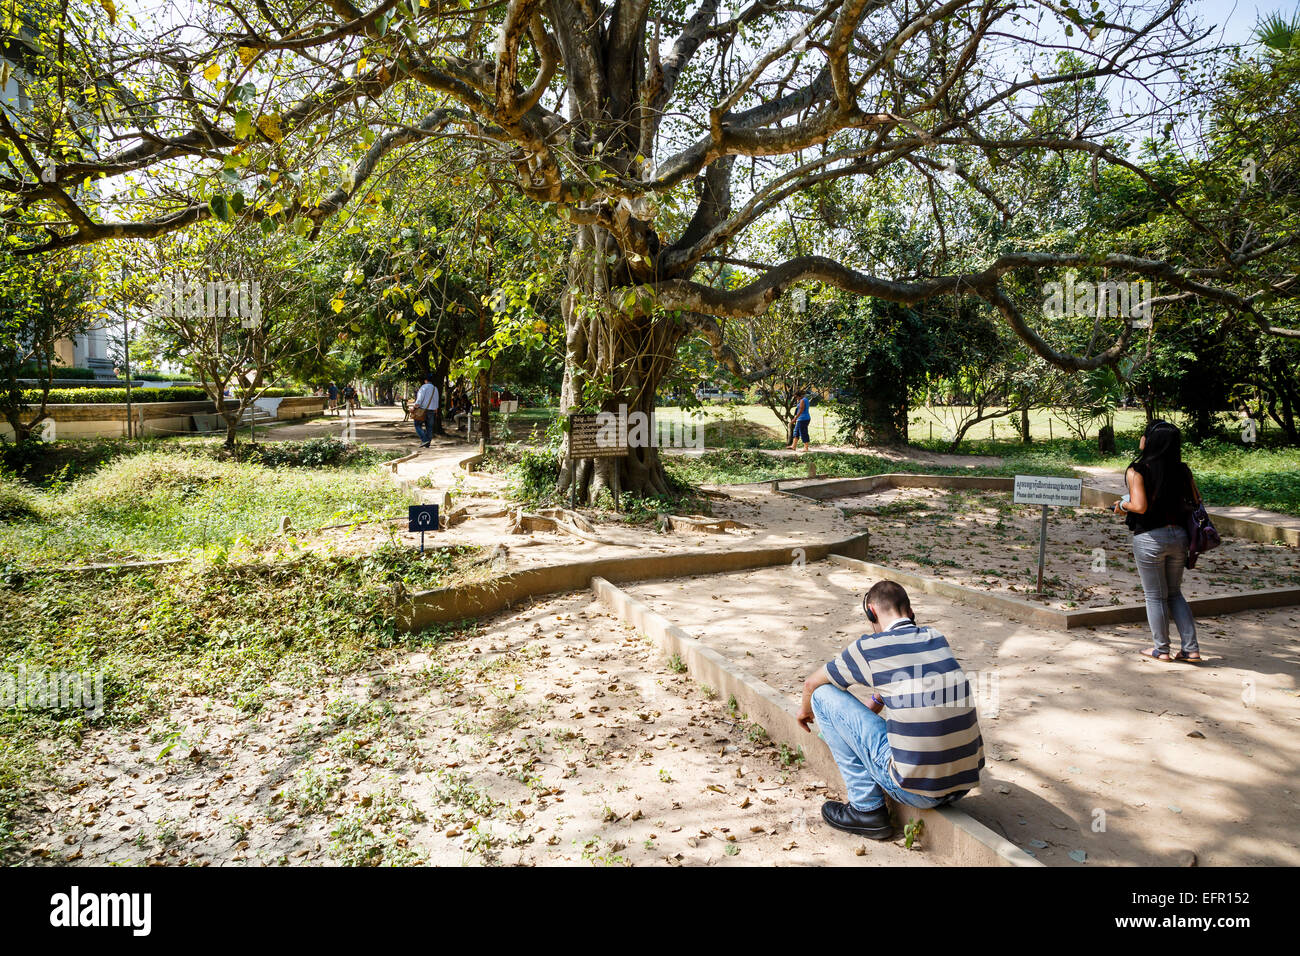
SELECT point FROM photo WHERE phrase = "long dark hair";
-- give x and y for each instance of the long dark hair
(1161, 458)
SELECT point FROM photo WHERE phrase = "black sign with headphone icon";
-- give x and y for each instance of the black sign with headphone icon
(423, 518)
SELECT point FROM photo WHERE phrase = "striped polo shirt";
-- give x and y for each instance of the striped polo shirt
(930, 719)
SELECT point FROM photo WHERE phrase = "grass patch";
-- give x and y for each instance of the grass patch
(174, 499)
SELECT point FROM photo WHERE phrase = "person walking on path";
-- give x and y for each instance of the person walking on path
(426, 403)
(1160, 491)
(927, 751)
(333, 392)
(802, 416)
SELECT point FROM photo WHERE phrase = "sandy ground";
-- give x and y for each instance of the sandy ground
(554, 735)
(1080, 731)
(765, 520)
(981, 540)
(380, 426)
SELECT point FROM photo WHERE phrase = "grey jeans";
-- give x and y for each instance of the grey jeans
(1161, 555)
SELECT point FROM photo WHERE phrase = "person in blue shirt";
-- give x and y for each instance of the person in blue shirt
(801, 419)
(426, 406)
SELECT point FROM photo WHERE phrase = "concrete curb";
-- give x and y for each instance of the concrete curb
(392, 465)
(1257, 531)
(475, 600)
(949, 832)
(1021, 610)
(1030, 613)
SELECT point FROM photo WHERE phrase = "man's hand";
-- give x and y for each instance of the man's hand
(805, 717)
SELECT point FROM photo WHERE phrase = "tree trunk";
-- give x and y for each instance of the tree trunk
(613, 361)
(880, 420)
(485, 406)
(1025, 437)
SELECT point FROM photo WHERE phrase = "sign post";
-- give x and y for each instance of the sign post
(422, 518)
(1048, 492)
(589, 438)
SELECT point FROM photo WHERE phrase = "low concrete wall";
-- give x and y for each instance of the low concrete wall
(949, 832)
(93, 420)
(842, 487)
(1017, 609)
(476, 600)
(1245, 528)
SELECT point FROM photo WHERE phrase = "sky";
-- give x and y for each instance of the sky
(1237, 18)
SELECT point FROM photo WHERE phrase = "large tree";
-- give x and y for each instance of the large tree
(662, 132)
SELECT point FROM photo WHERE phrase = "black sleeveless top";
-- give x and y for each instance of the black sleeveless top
(1169, 507)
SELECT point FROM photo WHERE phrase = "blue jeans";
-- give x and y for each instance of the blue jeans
(424, 429)
(860, 746)
(1161, 556)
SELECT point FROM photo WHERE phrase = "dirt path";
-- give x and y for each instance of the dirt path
(554, 735)
(378, 426)
(1168, 758)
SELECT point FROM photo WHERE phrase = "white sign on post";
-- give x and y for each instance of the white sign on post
(1058, 492)
(1048, 492)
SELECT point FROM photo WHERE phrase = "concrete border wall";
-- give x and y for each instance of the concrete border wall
(93, 420)
(1251, 530)
(1018, 609)
(949, 832)
(475, 600)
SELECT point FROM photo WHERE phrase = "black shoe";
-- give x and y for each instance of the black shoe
(872, 824)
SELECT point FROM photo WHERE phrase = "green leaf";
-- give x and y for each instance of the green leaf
(217, 205)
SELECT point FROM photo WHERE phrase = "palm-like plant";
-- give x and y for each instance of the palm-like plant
(1277, 33)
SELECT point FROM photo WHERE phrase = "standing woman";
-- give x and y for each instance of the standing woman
(1160, 486)
(802, 416)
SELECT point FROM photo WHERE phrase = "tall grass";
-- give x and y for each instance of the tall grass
(161, 503)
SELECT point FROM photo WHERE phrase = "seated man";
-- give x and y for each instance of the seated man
(928, 751)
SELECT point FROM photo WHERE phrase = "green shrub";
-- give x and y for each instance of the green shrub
(534, 476)
(117, 396)
(311, 453)
(31, 371)
(161, 376)
(113, 396)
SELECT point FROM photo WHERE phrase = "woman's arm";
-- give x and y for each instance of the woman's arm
(1137, 493)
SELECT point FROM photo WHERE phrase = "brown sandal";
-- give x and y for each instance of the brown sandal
(1182, 658)
(1155, 656)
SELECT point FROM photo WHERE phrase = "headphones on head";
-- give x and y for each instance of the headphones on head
(871, 614)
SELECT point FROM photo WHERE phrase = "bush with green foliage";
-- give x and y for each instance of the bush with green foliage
(534, 476)
(117, 396)
(310, 453)
(31, 371)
